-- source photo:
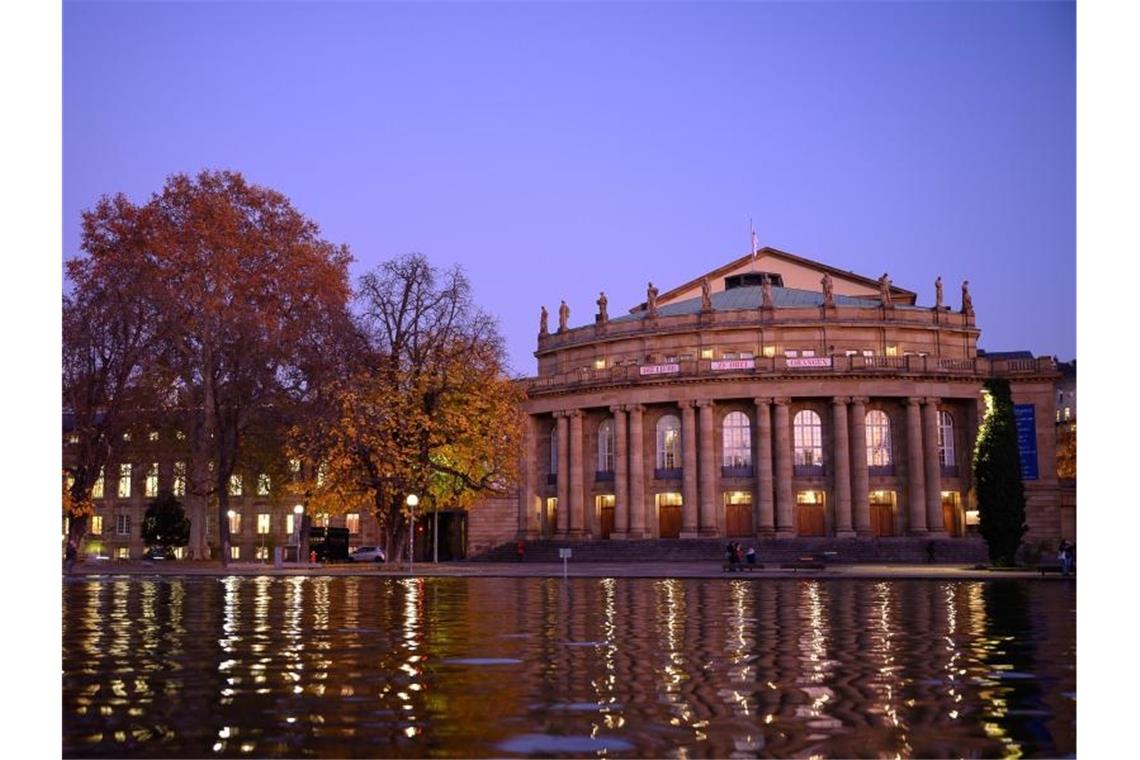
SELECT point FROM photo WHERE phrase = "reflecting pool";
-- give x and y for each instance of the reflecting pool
(514, 667)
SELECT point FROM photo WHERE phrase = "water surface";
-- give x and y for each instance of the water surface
(515, 667)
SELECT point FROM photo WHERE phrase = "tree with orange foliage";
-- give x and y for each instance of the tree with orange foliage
(427, 408)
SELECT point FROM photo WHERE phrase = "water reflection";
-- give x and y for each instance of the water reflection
(512, 667)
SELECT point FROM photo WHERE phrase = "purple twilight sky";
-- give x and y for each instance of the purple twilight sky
(556, 150)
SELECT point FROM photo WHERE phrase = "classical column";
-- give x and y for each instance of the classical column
(530, 517)
(766, 517)
(636, 472)
(563, 472)
(689, 477)
(860, 483)
(577, 475)
(709, 471)
(785, 517)
(842, 469)
(933, 467)
(621, 475)
(916, 474)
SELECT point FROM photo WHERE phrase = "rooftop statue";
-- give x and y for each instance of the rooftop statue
(651, 301)
(542, 327)
(706, 295)
(885, 290)
(563, 316)
(938, 293)
(967, 302)
(766, 293)
(828, 290)
(603, 315)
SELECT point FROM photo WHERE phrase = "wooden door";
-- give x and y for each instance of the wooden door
(738, 519)
(607, 526)
(882, 520)
(670, 521)
(809, 520)
(950, 517)
(551, 518)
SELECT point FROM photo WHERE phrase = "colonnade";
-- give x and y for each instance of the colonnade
(772, 452)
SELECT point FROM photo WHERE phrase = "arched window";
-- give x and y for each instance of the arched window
(554, 450)
(668, 443)
(878, 426)
(606, 446)
(807, 434)
(737, 438)
(946, 439)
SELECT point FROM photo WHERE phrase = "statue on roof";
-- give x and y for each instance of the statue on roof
(706, 295)
(828, 290)
(967, 302)
(938, 293)
(766, 292)
(603, 315)
(885, 290)
(542, 327)
(651, 301)
(563, 316)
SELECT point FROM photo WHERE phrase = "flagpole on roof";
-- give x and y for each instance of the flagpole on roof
(752, 227)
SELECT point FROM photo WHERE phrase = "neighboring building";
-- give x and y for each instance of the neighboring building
(1066, 420)
(824, 403)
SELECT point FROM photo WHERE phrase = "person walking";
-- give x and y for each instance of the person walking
(70, 555)
(1065, 554)
(750, 555)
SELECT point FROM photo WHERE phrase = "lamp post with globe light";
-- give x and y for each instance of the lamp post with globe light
(412, 501)
(298, 510)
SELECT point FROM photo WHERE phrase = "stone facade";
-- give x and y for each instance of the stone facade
(710, 414)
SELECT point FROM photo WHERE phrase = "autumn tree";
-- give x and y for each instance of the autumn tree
(427, 406)
(997, 476)
(108, 348)
(241, 291)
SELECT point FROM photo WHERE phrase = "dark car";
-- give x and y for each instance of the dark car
(158, 552)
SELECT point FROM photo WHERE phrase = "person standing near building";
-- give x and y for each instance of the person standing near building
(70, 555)
(750, 555)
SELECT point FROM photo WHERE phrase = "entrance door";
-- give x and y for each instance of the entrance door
(809, 513)
(607, 521)
(882, 520)
(950, 513)
(738, 519)
(551, 523)
(670, 520)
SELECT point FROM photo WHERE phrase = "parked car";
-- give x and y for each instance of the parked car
(367, 554)
(157, 552)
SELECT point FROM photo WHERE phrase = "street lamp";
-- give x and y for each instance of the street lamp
(298, 510)
(229, 534)
(412, 501)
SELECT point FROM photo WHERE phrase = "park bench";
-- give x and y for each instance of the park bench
(1049, 566)
(808, 562)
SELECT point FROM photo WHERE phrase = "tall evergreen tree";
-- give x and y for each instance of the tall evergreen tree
(997, 476)
(165, 523)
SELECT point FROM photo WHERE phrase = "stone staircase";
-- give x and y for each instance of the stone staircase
(904, 550)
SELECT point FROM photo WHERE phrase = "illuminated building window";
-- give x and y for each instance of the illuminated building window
(892, 350)
(669, 499)
(769, 351)
(737, 438)
(180, 435)
(179, 478)
(73, 438)
(807, 439)
(123, 552)
(152, 481)
(878, 431)
(946, 439)
(97, 489)
(809, 497)
(323, 519)
(152, 436)
(263, 485)
(97, 525)
(235, 522)
(668, 443)
(295, 466)
(261, 552)
(599, 363)
(263, 523)
(180, 552)
(235, 552)
(235, 485)
(124, 491)
(1067, 413)
(122, 525)
(606, 446)
(289, 524)
(706, 353)
(352, 522)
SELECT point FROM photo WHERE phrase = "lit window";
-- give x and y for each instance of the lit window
(180, 552)
(737, 438)
(606, 446)
(554, 450)
(1058, 415)
(235, 552)
(323, 519)
(97, 525)
(808, 352)
(295, 466)
(807, 439)
(892, 350)
(261, 552)
(289, 524)
(69, 481)
(809, 497)
(322, 470)
(791, 354)
(179, 478)
(152, 481)
(180, 435)
(97, 489)
(352, 522)
(123, 524)
(878, 429)
(868, 353)
(123, 552)
(73, 438)
(1067, 413)
(263, 485)
(599, 363)
(235, 522)
(235, 485)
(769, 351)
(706, 353)
(152, 436)
(668, 443)
(124, 481)
(946, 439)
(263, 523)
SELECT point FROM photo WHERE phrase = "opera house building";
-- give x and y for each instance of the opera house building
(775, 397)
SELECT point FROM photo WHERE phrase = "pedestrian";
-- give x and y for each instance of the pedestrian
(930, 552)
(70, 555)
(739, 556)
(1065, 554)
(751, 556)
(520, 550)
(730, 555)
